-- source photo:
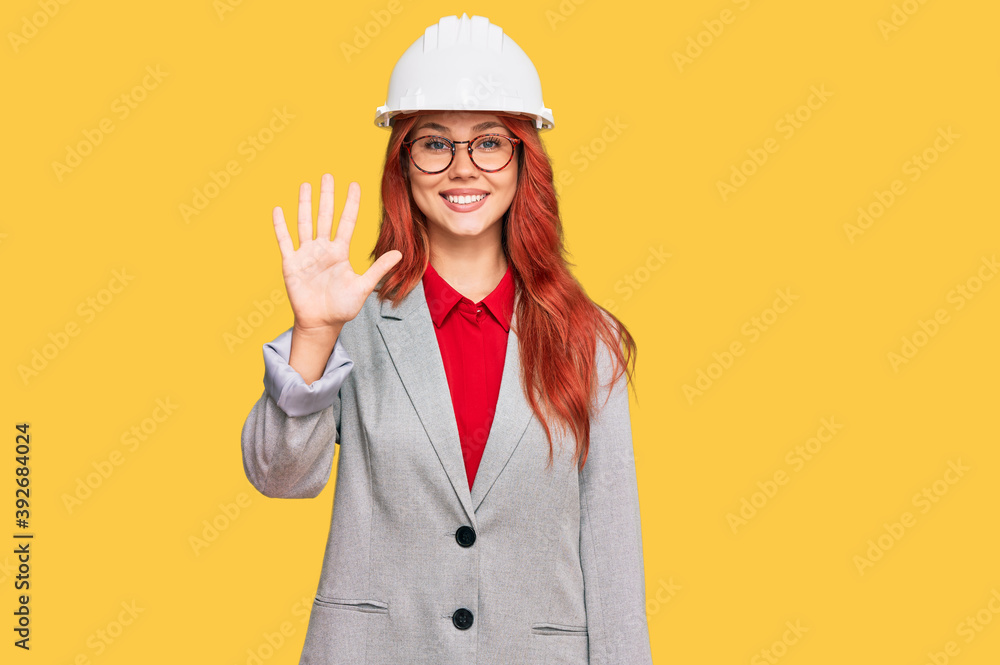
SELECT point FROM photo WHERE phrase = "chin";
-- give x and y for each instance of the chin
(463, 227)
(470, 229)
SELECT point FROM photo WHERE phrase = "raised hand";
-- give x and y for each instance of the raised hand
(323, 289)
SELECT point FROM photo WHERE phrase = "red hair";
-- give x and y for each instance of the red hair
(557, 324)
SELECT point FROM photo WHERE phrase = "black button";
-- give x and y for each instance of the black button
(465, 536)
(462, 618)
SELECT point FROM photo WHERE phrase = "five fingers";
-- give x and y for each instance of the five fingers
(345, 228)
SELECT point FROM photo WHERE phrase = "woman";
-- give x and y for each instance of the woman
(486, 508)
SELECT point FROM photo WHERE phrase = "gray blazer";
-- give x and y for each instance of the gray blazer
(533, 566)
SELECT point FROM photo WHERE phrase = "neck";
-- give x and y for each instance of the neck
(475, 276)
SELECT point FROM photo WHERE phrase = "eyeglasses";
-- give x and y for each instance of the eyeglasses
(434, 154)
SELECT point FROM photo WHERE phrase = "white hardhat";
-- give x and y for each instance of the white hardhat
(463, 64)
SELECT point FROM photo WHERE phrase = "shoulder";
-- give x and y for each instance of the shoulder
(608, 363)
(604, 353)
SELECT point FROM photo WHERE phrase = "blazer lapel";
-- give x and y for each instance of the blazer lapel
(509, 422)
(408, 333)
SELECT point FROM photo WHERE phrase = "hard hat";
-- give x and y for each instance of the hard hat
(463, 64)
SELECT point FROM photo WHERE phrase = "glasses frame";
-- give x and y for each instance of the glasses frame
(514, 143)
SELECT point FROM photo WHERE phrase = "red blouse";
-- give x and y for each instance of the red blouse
(472, 338)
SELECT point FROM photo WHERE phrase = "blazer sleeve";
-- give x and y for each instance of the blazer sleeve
(611, 531)
(289, 436)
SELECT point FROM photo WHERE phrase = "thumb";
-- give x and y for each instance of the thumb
(380, 268)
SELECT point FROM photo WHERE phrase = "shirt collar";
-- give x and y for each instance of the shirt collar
(442, 297)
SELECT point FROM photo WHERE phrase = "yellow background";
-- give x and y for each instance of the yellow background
(716, 594)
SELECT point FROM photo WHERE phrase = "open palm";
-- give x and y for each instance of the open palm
(322, 287)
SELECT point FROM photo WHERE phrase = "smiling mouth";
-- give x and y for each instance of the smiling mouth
(467, 199)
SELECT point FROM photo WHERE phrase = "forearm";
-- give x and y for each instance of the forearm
(289, 436)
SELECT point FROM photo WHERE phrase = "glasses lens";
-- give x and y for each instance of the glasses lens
(492, 152)
(431, 153)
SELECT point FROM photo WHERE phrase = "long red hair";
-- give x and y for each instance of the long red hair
(556, 321)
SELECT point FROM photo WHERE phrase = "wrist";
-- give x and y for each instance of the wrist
(318, 333)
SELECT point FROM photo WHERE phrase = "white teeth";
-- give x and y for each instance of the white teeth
(465, 199)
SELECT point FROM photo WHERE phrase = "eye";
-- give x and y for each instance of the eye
(435, 144)
(489, 144)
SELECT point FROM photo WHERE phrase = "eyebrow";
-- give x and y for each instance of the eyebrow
(477, 128)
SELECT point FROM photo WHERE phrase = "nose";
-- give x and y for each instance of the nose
(462, 164)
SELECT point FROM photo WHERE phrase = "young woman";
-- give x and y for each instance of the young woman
(486, 508)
